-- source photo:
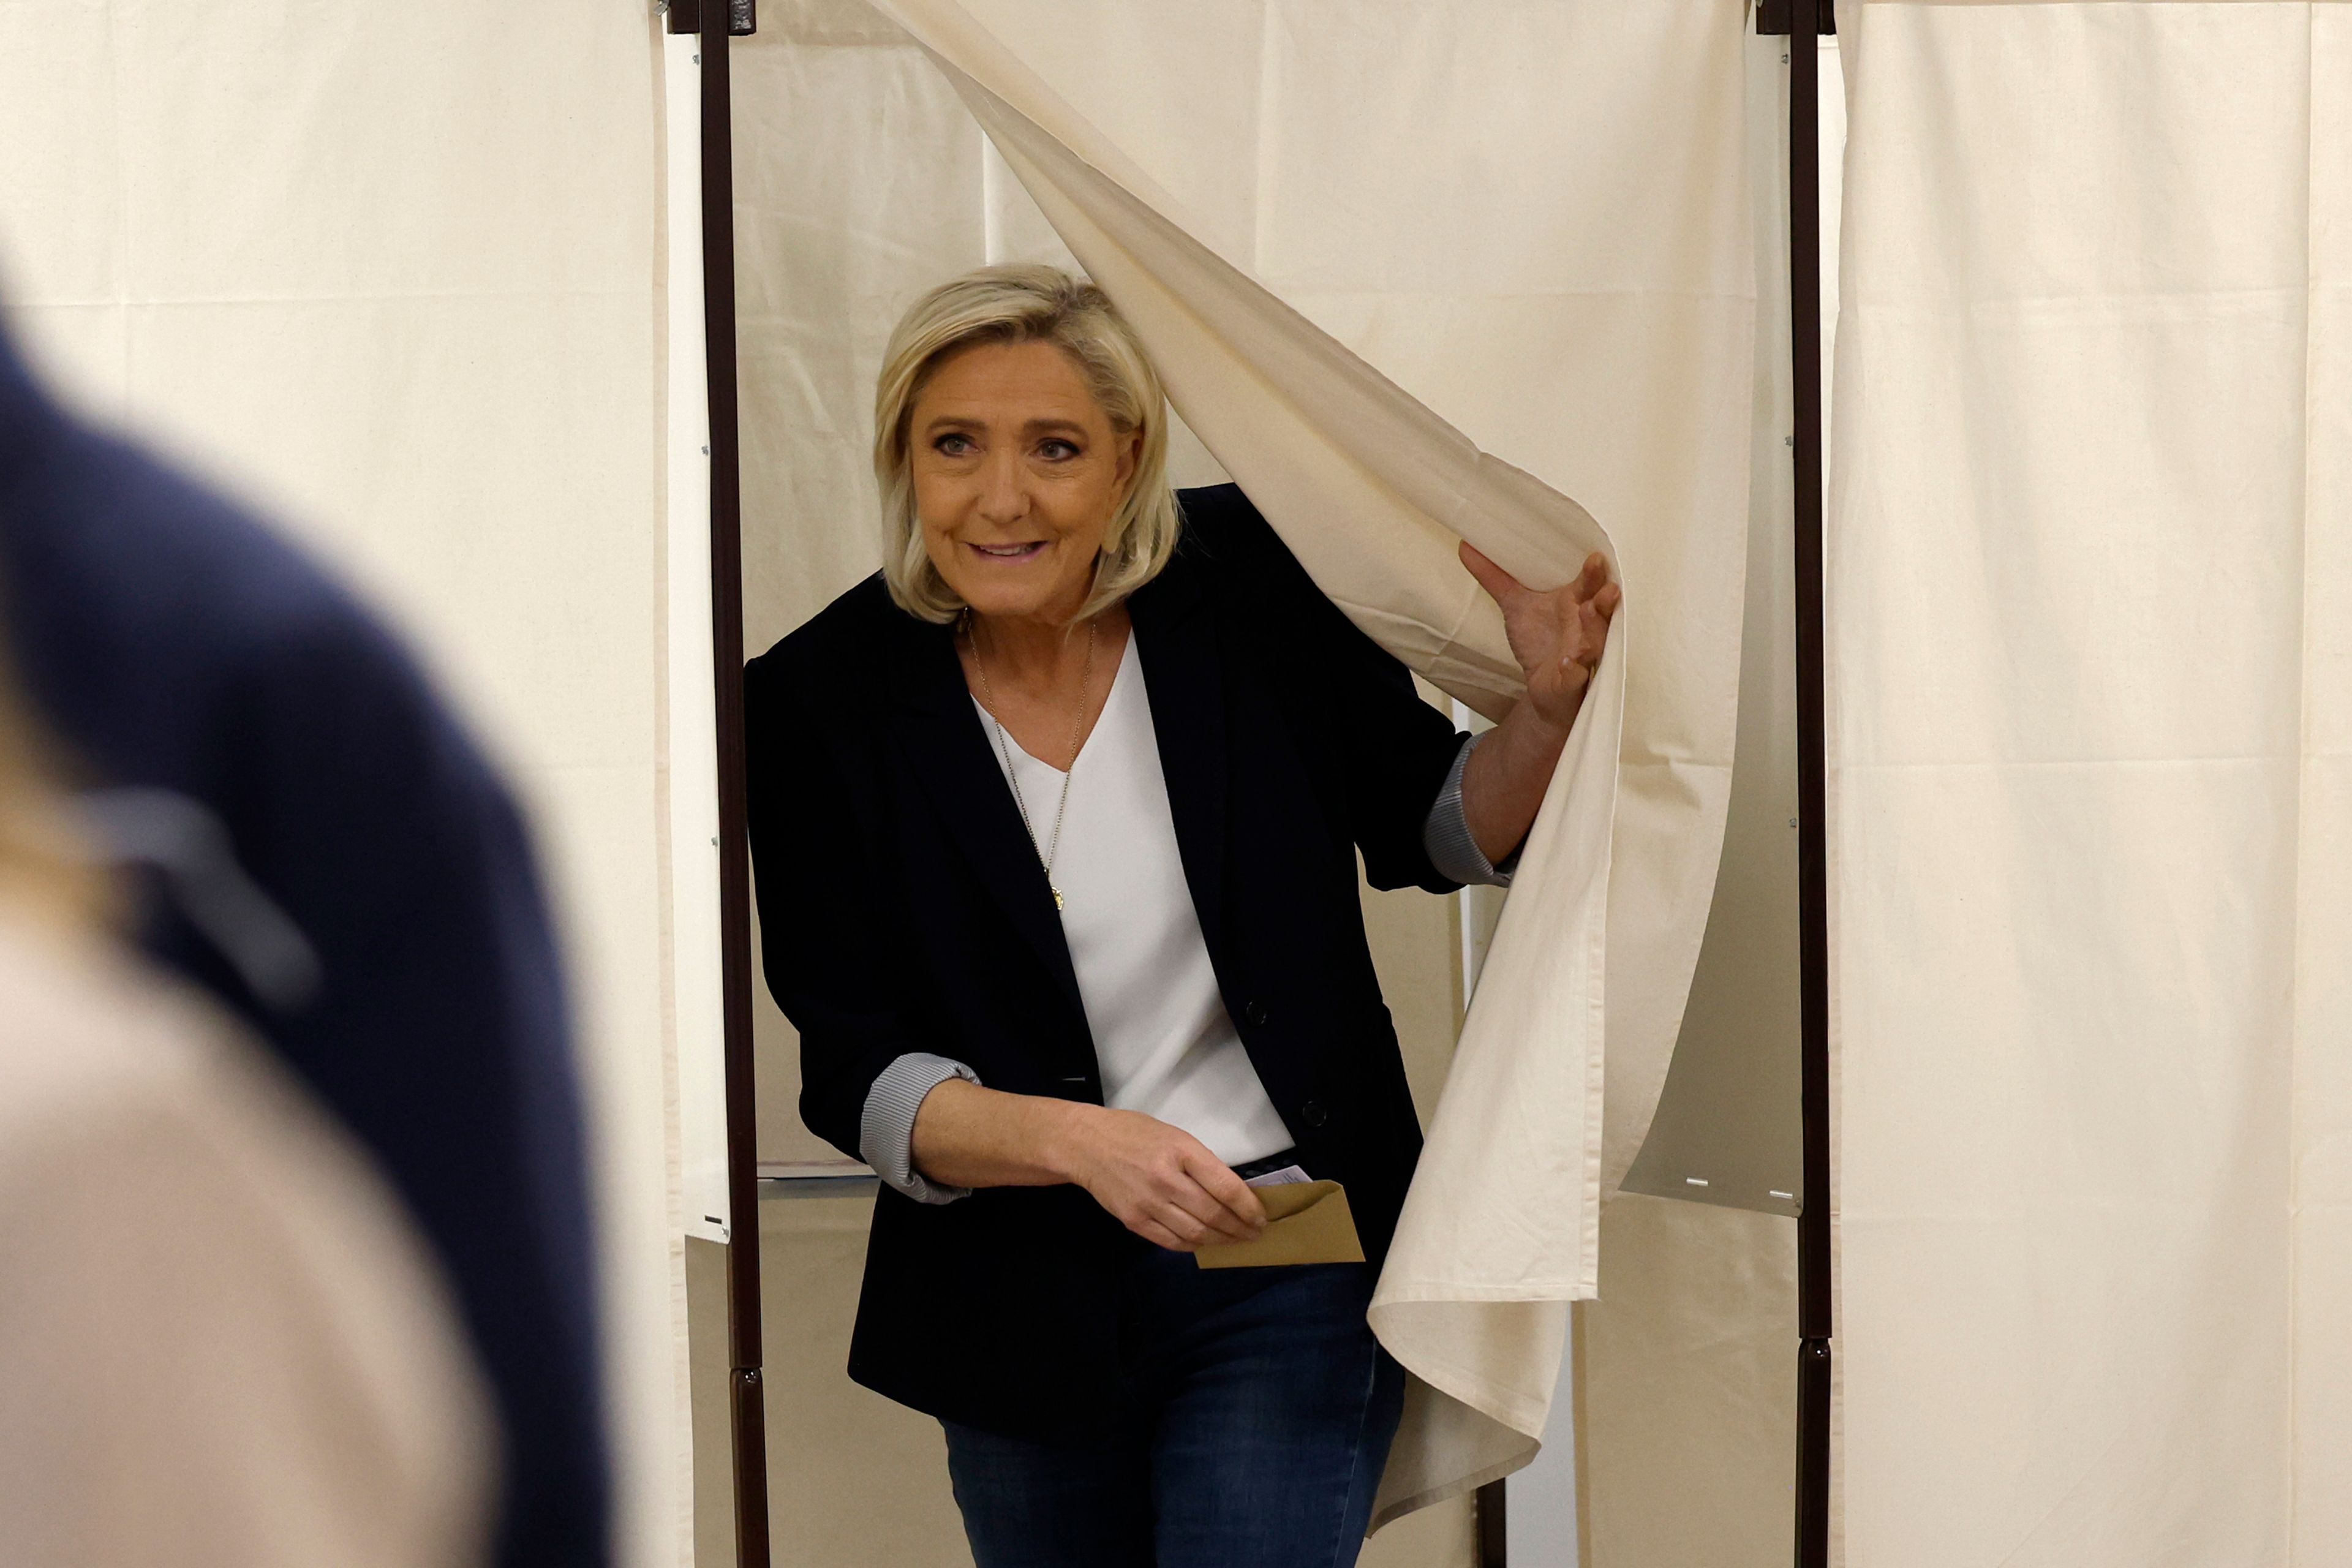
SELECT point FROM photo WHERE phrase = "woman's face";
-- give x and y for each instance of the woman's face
(1017, 472)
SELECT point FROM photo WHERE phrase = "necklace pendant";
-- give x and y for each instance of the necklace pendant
(1057, 895)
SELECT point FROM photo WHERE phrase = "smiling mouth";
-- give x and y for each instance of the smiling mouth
(1028, 551)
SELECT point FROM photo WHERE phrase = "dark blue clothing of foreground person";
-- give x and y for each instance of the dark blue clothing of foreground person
(173, 645)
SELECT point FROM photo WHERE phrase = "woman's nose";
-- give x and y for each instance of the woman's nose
(1003, 494)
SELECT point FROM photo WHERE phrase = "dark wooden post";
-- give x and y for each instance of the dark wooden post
(712, 23)
(1813, 1325)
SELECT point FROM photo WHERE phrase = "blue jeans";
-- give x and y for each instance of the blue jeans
(1254, 1417)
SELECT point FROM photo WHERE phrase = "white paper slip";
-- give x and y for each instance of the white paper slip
(1282, 1178)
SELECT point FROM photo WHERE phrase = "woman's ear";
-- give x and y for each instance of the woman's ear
(1130, 459)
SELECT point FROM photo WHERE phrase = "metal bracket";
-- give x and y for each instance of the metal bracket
(686, 15)
(1772, 20)
(1491, 1547)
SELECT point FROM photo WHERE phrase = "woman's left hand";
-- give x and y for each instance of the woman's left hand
(1557, 635)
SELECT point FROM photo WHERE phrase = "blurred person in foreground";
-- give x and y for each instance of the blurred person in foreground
(223, 1346)
(329, 857)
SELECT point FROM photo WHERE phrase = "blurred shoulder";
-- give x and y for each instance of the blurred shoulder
(150, 617)
(151, 560)
(136, 594)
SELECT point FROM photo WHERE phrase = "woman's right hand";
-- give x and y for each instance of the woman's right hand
(1161, 1182)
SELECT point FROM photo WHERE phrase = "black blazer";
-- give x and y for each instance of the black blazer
(902, 908)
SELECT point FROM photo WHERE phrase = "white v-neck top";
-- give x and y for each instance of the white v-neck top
(1164, 1042)
(1163, 1038)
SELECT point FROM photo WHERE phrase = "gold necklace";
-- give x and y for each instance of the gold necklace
(1053, 845)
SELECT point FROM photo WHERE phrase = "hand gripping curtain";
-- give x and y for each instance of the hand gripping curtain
(1371, 491)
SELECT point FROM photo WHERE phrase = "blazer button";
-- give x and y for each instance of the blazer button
(1313, 1114)
(1256, 1012)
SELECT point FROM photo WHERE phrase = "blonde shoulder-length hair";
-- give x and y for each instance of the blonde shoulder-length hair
(1012, 305)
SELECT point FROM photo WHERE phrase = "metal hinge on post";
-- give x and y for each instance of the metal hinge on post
(686, 15)
(1772, 18)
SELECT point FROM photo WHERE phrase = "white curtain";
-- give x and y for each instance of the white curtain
(1443, 231)
(1686, 1362)
(392, 271)
(2090, 600)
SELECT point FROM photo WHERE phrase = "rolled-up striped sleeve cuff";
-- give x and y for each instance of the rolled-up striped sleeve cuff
(1446, 833)
(886, 1130)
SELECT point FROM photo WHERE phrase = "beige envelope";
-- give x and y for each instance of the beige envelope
(1307, 1222)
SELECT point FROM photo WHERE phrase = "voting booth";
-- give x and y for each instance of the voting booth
(1293, 263)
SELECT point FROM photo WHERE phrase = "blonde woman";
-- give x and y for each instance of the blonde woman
(1056, 822)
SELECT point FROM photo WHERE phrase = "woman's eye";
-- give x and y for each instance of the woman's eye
(952, 445)
(1056, 450)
